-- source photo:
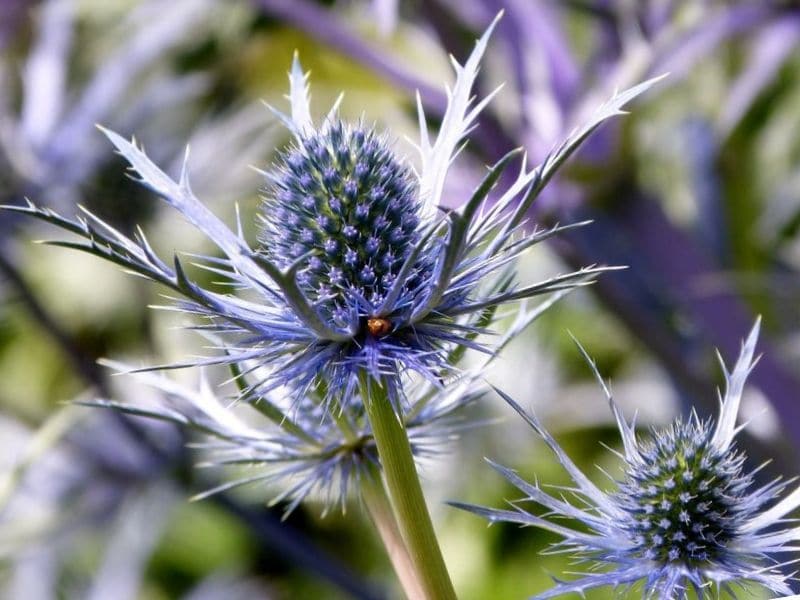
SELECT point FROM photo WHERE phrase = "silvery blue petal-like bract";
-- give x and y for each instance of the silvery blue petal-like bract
(685, 515)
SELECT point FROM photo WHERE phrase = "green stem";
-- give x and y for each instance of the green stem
(405, 492)
(380, 511)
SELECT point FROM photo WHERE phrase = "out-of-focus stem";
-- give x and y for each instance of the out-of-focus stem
(405, 492)
(380, 511)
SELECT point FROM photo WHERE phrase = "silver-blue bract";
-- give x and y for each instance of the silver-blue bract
(684, 516)
(358, 271)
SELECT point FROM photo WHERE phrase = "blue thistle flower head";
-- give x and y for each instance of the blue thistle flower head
(346, 213)
(358, 273)
(684, 516)
(340, 202)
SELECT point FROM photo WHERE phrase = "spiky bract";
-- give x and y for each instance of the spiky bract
(685, 516)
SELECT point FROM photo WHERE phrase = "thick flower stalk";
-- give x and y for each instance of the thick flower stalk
(685, 516)
(351, 312)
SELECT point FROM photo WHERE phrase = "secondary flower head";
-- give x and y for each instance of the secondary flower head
(685, 514)
(286, 445)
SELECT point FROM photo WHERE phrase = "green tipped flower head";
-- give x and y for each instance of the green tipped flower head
(684, 497)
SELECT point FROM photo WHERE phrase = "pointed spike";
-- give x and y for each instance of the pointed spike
(734, 388)
(282, 117)
(626, 431)
(299, 98)
(183, 182)
(333, 113)
(408, 265)
(489, 181)
(182, 281)
(295, 298)
(423, 125)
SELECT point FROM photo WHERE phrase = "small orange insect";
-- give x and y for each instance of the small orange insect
(379, 326)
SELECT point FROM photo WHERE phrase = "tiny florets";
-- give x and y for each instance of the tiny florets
(341, 203)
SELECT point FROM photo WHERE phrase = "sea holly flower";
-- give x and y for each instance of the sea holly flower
(358, 270)
(361, 289)
(685, 515)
